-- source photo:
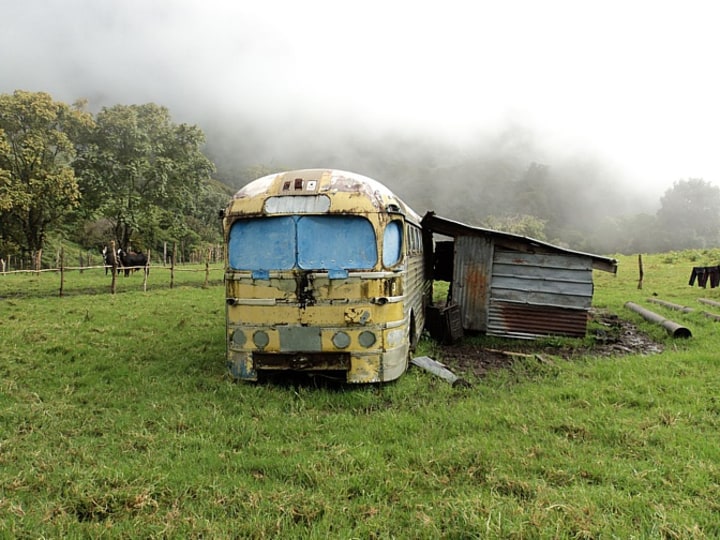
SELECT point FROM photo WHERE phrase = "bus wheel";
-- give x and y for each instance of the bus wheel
(412, 336)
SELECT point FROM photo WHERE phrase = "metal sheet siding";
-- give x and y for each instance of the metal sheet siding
(527, 321)
(471, 280)
(539, 294)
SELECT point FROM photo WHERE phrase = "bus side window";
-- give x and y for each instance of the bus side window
(392, 243)
(413, 241)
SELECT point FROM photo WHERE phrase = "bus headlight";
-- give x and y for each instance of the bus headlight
(367, 339)
(238, 338)
(341, 340)
(261, 339)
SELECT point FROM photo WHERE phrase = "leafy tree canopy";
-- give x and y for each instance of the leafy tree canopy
(37, 150)
(523, 225)
(143, 172)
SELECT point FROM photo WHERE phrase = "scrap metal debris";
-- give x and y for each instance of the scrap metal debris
(439, 369)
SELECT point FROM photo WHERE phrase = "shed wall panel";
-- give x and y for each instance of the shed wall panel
(535, 298)
(508, 319)
(559, 274)
(471, 280)
(545, 260)
(539, 294)
(524, 284)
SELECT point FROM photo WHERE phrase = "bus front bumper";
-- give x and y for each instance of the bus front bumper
(366, 368)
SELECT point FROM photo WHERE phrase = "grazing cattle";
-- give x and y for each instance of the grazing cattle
(131, 260)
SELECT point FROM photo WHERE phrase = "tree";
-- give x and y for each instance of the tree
(37, 150)
(143, 172)
(522, 225)
(689, 216)
(6, 187)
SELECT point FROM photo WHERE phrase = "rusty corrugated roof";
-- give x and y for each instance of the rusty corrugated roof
(452, 228)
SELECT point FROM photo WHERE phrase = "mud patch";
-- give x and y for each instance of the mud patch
(609, 335)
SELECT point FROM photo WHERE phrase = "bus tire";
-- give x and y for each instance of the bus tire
(412, 335)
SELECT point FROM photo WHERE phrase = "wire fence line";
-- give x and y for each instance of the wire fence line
(87, 259)
(113, 267)
(19, 282)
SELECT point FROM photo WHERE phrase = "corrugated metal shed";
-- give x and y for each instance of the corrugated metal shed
(515, 286)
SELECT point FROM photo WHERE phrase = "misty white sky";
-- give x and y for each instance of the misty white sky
(634, 82)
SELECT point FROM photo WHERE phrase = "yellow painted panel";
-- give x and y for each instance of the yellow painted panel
(273, 289)
(273, 343)
(364, 369)
(324, 288)
(263, 315)
(341, 315)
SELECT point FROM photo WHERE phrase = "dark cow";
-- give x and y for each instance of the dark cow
(131, 260)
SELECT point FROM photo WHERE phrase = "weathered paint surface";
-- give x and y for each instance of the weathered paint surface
(370, 195)
(324, 310)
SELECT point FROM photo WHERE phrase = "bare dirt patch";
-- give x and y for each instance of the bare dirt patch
(611, 336)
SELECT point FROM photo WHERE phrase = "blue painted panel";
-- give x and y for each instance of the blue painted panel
(336, 242)
(262, 244)
(392, 243)
(337, 274)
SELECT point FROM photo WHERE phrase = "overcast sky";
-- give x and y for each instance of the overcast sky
(634, 82)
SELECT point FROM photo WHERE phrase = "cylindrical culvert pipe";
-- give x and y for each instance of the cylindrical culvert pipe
(674, 329)
(670, 305)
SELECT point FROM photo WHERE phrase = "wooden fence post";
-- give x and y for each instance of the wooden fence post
(172, 267)
(146, 270)
(62, 269)
(207, 270)
(113, 260)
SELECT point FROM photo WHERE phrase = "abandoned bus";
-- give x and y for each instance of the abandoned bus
(324, 273)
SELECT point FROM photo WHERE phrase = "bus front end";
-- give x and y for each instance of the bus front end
(315, 278)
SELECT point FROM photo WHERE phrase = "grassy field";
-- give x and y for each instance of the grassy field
(118, 420)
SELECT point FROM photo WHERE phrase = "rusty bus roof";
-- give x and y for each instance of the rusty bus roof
(308, 182)
(452, 228)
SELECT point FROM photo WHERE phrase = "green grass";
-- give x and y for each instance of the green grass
(117, 419)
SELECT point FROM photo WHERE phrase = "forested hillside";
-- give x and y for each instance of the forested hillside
(129, 173)
(507, 180)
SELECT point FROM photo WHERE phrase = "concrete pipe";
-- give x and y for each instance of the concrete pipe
(674, 329)
(670, 305)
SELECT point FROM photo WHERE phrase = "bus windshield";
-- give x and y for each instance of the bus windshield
(309, 242)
